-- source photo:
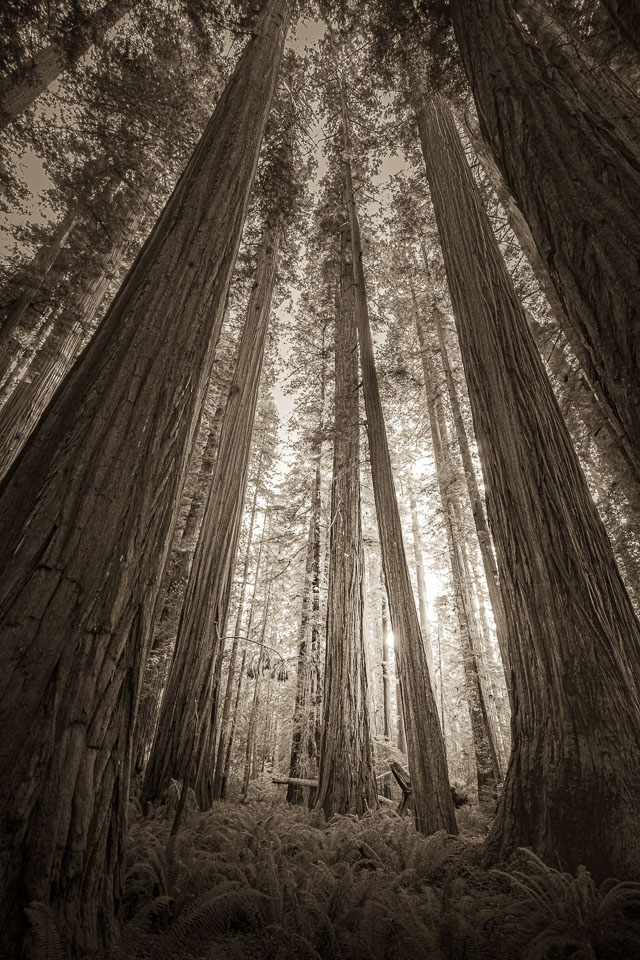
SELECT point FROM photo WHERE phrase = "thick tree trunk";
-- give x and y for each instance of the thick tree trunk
(567, 143)
(523, 235)
(425, 749)
(164, 625)
(487, 756)
(346, 780)
(86, 512)
(477, 504)
(574, 643)
(187, 710)
(18, 93)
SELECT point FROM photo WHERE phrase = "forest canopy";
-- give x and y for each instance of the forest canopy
(320, 479)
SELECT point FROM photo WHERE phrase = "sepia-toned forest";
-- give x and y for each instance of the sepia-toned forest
(320, 480)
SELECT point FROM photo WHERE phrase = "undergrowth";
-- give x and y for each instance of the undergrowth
(278, 883)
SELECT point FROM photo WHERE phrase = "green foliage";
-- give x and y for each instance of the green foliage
(280, 882)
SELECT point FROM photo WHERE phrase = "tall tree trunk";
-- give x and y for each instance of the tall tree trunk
(250, 749)
(18, 93)
(574, 643)
(422, 588)
(425, 749)
(487, 756)
(380, 615)
(86, 513)
(164, 625)
(190, 686)
(569, 151)
(71, 330)
(304, 713)
(401, 740)
(252, 611)
(228, 697)
(232, 731)
(477, 505)
(346, 780)
(13, 315)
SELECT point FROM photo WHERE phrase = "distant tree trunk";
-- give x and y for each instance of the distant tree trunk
(232, 732)
(574, 643)
(195, 516)
(626, 16)
(381, 627)
(346, 780)
(249, 760)
(440, 613)
(477, 504)
(190, 687)
(18, 93)
(252, 611)
(401, 740)
(425, 749)
(86, 512)
(228, 697)
(487, 756)
(569, 151)
(308, 643)
(71, 330)
(422, 589)
(13, 314)
(32, 275)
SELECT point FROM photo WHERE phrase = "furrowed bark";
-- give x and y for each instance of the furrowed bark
(346, 781)
(304, 712)
(425, 748)
(477, 505)
(570, 793)
(564, 132)
(228, 697)
(487, 756)
(190, 689)
(86, 512)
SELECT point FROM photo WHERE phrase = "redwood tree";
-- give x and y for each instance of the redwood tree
(86, 514)
(189, 707)
(425, 746)
(574, 643)
(569, 149)
(346, 782)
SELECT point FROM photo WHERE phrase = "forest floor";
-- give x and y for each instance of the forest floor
(265, 881)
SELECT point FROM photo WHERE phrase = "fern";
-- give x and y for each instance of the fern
(215, 913)
(46, 939)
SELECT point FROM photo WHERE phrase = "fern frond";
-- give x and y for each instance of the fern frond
(46, 938)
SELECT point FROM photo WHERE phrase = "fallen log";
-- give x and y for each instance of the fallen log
(298, 781)
(314, 783)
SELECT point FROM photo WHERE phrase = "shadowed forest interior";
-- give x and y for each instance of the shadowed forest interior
(320, 479)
